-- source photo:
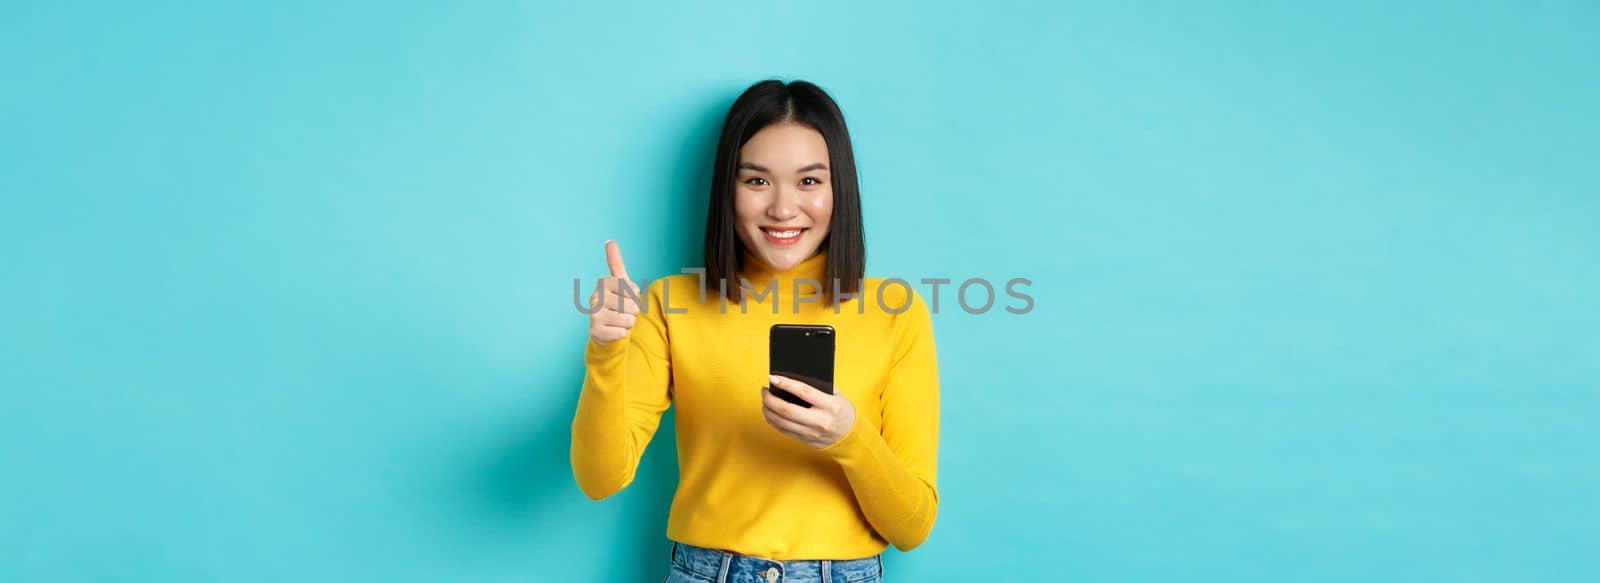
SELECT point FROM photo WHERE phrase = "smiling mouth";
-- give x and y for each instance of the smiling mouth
(783, 235)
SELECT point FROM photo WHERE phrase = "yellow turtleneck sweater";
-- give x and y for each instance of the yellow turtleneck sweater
(742, 486)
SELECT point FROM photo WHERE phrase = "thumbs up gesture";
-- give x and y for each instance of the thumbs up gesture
(617, 309)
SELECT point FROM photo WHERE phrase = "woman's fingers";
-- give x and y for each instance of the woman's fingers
(619, 322)
(811, 418)
(617, 299)
(604, 333)
(615, 285)
(805, 392)
(624, 321)
(614, 260)
(788, 427)
(828, 420)
(607, 324)
(627, 304)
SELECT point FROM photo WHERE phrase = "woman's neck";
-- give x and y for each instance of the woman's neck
(760, 274)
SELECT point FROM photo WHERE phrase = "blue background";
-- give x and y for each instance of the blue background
(287, 286)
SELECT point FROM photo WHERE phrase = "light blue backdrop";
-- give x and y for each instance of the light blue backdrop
(287, 287)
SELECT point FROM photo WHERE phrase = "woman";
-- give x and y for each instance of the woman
(769, 490)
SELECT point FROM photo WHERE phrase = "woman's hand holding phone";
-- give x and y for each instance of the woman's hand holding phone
(618, 311)
(828, 420)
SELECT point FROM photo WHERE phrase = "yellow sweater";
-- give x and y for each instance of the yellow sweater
(742, 486)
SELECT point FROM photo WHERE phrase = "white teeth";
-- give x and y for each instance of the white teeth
(785, 234)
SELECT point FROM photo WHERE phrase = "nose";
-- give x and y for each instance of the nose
(783, 205)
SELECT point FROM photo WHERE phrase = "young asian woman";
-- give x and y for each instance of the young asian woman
(770, 490)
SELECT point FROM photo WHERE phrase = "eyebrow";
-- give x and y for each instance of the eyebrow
(760, 168)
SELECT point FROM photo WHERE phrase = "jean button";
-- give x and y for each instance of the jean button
(772, 574)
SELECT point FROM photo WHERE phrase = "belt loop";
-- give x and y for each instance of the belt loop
(727, 561)
(827, 571)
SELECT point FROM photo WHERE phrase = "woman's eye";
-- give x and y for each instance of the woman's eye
(756, 181)
(809, 181)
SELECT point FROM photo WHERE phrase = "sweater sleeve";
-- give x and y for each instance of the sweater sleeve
(891, 468)
(626, 388)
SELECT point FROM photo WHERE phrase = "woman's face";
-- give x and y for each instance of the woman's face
(783, 194)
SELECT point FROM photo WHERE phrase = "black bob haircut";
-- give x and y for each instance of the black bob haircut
(763, 104)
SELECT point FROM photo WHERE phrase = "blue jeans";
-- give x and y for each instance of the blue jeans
(692, 564)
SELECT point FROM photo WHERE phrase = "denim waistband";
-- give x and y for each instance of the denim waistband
(719, 565)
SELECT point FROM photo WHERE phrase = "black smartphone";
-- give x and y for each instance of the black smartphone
(804, 353)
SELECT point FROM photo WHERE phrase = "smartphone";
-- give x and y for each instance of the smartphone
(804, 353)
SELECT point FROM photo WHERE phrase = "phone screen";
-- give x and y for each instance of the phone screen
(804, 353)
